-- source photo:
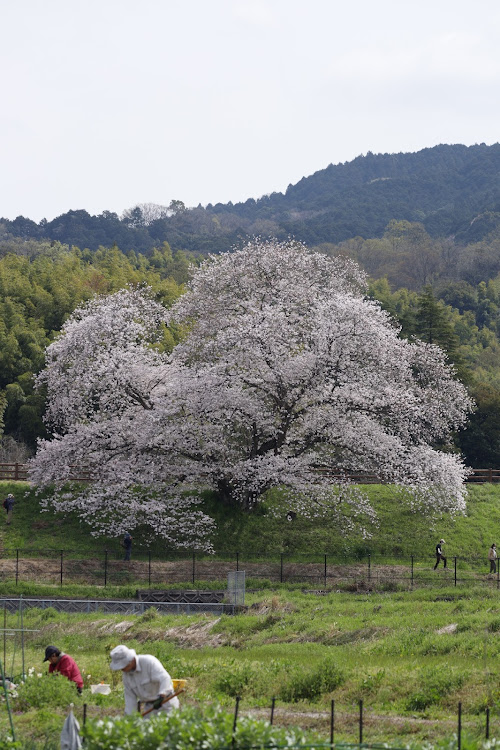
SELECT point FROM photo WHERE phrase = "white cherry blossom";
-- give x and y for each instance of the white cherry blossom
(286, 375)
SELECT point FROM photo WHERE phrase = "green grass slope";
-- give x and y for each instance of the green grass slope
(267, 532)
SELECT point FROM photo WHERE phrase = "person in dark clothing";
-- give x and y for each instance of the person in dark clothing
(8, 504)
(127, 543)
(439, 554)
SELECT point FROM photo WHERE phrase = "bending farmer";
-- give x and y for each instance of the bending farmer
(59, 662)
(145, 680)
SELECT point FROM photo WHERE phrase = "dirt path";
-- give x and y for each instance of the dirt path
(376, 727)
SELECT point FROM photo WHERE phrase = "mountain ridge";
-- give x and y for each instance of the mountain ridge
(445, 187)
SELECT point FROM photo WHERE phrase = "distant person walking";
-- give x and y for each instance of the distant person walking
(492, 557)
(127, 543)
(8, 504)
(439, 554)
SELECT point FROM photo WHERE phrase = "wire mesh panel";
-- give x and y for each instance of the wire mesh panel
(111, 606)
(236, 587)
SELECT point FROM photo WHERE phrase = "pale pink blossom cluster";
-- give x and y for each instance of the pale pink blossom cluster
(286, 373)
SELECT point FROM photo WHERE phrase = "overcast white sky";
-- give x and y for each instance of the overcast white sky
(110, 103)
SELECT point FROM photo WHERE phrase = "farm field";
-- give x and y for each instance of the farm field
(411, 657)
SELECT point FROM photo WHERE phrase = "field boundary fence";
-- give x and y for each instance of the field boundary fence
(18, 472)
(318, 573)
(358, 727)
(358, 720)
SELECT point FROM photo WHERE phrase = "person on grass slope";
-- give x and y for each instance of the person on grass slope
(439, 554)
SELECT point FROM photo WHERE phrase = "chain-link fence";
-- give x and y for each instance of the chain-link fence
(315, 572)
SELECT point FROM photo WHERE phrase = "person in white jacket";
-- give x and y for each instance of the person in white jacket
(492, 557)
(145, 680)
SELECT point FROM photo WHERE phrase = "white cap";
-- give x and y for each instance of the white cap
(441, 541)
(121, 656)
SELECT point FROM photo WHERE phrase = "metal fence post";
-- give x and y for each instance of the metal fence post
(4, 630)
(332, 721)
(273, 702)
(281, 568)
(61, 570)
(412, 571)
(459, 734)
(194, 566)
(325, 572)
(105, 568)
(237, 561)
(488, 723)
(455, 559)
(149, 568)
(21, 609)
(17, 566)
(235, 719)
(369, 567)
(360, 722)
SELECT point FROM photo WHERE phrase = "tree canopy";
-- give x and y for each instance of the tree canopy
(38, 293)
(286, 373)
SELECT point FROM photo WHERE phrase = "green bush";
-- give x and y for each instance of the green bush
(187, 729)
(47, 690)
(49, 613)
(246, 678)
(310, 685)
(370, 683)
(236, 681)
(7, 743)
(434, 686)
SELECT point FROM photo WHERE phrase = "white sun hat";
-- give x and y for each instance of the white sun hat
(121, 656)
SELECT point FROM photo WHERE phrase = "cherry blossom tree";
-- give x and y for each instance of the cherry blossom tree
(287, 376)
(106, 378)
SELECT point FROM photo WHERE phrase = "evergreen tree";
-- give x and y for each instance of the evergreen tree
(432, 323)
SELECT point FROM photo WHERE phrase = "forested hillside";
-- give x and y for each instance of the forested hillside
(424, 226)
(453, 190)
(37, 294)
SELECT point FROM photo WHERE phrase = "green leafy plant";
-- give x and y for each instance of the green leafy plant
(47, 690)
(7, 743)
(311, 684)
(188, 729)
(240, 678)
(434, 686)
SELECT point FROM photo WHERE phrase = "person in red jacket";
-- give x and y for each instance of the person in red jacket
(59, 662)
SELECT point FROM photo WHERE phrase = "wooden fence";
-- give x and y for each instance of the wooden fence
(19, 473)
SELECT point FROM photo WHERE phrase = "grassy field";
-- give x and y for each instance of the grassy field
(398, 531)
(410, 656)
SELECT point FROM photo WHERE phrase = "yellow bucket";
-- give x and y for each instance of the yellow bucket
(179, 684)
